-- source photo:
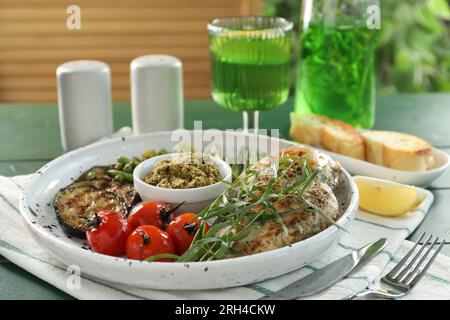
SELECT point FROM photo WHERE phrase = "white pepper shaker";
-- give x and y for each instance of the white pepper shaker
(156, 93)
(84, 102)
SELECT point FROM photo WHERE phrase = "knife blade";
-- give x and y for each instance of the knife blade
(328, 275)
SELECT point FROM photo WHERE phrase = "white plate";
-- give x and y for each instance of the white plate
(419, 179)
(37, 209)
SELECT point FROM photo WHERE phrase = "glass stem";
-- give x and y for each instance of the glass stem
(251, 121)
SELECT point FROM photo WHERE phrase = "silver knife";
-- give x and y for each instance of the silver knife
(328, 275)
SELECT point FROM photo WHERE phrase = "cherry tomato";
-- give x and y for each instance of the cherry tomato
(183, 229)
(147, 241)
(108, 232)
(152, 213)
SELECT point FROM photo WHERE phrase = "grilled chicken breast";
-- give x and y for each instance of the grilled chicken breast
(304, 223)
(330, 170)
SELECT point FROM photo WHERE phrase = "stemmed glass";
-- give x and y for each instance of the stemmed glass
(251, 64)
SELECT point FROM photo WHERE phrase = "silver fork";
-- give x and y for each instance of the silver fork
(407, 273)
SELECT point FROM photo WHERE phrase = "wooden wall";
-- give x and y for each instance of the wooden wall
(34, 40)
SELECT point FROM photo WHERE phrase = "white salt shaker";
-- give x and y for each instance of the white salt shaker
(156, 93)
(84, 102)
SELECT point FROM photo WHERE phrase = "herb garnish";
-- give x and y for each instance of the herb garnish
(251, 200)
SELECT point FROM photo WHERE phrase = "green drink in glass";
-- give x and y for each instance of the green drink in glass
(251, 64)
(336, 69)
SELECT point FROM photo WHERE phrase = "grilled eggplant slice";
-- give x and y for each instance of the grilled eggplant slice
(74, 205)
(122, 189)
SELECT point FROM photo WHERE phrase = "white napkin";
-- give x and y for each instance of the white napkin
(17, 245)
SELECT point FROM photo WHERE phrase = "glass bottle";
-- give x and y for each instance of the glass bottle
(336, 66)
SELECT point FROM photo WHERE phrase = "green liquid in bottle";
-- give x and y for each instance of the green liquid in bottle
(336, 74)
(250, 73)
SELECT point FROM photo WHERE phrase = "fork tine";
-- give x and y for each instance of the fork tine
(421, 261)
(400, 264)
(413, 260)
(424, 270)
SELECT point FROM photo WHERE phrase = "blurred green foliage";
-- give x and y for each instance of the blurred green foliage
(414, 47)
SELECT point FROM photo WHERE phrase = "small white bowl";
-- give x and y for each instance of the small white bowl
(195, 199)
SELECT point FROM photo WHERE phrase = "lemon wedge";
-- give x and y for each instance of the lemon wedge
(386, 198)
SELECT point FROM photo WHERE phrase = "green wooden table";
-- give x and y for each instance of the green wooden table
(29, 138)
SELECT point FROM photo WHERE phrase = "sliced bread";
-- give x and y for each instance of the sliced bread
(397, 150)
(333, 135)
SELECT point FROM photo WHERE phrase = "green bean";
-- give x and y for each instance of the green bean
(112, 172)
(128, 168)
(91, 175)
(123, 160)
(135, 161)
(147, 154)
(119, 178)
(126, 176)
(118, 166)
